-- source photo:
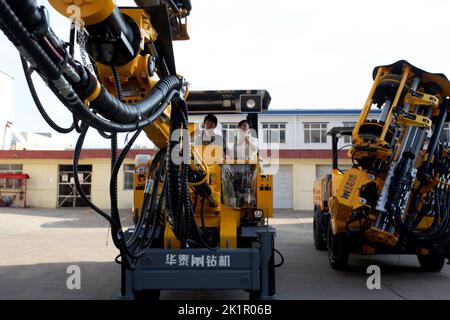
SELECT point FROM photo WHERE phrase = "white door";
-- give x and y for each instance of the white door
(282, 188)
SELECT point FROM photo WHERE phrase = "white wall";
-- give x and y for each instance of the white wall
(36, 141)
(333, 121)
(42, 187)
(294, 127)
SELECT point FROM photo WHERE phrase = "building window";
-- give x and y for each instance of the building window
(445, 135)
(274, 132)
(10, 183)
(348, 139)
(128, 176)
(229, 132)
(315, 132)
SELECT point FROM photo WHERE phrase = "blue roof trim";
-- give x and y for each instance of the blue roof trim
(318, 111)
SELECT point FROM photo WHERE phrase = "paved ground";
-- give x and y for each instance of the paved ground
(37, 246)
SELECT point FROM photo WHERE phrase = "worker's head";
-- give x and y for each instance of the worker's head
(244, 125)
(210, 122)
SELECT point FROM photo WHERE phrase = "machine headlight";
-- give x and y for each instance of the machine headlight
(251, 103)
(258, 214)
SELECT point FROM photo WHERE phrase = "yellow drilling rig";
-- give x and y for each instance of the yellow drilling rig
(188, 234)
(395, 198)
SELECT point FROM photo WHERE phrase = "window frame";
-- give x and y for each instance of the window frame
(308, 130)
(269, 128)
(347, 124)
(126, 173)
(226, 129)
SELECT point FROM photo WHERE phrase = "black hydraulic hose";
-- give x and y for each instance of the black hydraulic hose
(106, 136)
(117, 82)
(127, 117)
(38, 103)
(114, 206)
(178, 202)
(86, 115)
(30, 13)
(202, 215)
(114, 192)
(434, 141)
(113, 109)
(21, 38)
(189, 218)
(72, 39)
(148, 197)
(76, 159)
(173, 175)
(437, 233)
(161, 200)
(117, 237)
(75, 122)
(153, 208)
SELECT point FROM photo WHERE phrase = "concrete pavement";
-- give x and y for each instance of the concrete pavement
(37, 246)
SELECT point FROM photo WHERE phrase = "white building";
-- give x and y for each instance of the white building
(39, 141)
(305, 155)
(305, 148)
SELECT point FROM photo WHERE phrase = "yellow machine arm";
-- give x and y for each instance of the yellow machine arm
(128, 82)
(132, 85)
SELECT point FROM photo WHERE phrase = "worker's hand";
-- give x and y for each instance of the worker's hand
(247, 139)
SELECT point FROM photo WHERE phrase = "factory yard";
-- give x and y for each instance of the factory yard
(38, 245)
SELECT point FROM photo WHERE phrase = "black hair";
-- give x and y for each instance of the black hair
(242, 122)
(212, 118)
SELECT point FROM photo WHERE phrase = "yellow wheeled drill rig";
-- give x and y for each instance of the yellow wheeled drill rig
(396, 197)
(187, 233)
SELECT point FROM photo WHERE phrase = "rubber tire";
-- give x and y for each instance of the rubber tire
(338, 249)
(319, 232)
(434, 262)
(147, 295)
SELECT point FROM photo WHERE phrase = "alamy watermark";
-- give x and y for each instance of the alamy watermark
(74, 280)
(374, 280)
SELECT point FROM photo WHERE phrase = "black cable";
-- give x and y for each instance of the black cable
(105, 135)
(76, 158)
(116, 233)
(153, 208)
(113, 183)
(147, 203)
(438, 233)
(202, 216)
(38, 103)
(117, 82)
(75, 123)
(282, 258)
(72, 39)
(338, 150)
(189, 215)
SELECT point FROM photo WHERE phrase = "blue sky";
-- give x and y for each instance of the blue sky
(308, 54)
